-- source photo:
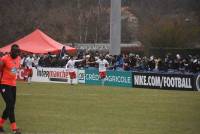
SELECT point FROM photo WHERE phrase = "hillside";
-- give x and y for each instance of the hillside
(157, 22)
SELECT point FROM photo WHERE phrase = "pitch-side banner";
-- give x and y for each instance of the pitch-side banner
(21, 74)
(81, 76)
(164, 81)
(113, 78)
(58, 75)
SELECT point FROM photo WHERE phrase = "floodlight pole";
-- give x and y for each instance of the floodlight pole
(115, 27)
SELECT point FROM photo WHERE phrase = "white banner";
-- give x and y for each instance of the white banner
(81, 76)
(57, 75)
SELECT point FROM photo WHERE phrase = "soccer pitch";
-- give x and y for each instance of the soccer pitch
(47, 108)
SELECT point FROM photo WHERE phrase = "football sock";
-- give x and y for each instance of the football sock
(2, 121)
(13, 126)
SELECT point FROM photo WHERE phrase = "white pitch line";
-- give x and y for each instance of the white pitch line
(24, 94)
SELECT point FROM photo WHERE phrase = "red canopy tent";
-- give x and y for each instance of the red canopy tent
(38, 42)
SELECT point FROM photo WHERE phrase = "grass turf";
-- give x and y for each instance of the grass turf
(47, 108)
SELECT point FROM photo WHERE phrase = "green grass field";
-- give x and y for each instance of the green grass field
(46, 108)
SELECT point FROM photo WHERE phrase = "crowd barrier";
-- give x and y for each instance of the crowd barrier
(174, 81)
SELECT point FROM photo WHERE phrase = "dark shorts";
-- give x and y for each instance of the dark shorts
(3, 88)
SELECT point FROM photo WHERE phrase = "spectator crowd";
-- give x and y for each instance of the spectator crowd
(128, 62)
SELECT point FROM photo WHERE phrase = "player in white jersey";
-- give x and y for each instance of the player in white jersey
(103, 64)
(71, 69)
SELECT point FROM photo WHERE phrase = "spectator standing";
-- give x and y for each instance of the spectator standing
(91, 61)
(119, 62)
(151, 63)
(62, 52)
